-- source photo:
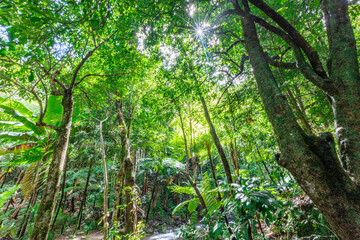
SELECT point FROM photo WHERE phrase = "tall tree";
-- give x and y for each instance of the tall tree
(312, 159)
(129, 169)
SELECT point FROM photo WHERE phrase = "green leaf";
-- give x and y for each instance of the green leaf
(3, 52)
(31, 77)
(17, 135)
(7, 194)
(54, 110)
(180, 206)
(192, 206)
(18, 106)
(27, 122)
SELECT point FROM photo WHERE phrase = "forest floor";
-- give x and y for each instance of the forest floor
(92, 236)
(158, 228)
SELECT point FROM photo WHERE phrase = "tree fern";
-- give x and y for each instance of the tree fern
(208, 194)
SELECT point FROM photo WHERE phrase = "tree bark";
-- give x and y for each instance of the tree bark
(106, 184)
(129, 177)
(311, 159)
(197, 191)
(62, 192)
(344, 68)
(48, 200)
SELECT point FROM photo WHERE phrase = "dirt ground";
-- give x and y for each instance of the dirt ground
(92, 236)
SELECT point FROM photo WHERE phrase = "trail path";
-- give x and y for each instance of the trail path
(170, 235)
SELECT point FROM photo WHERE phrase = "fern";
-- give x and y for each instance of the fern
(7, 227)
(193, 218)
(7, 195)
(207, 191)
(183, 190)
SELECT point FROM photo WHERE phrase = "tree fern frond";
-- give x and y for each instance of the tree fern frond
(28, 183)
(206, 190)
(183, 190)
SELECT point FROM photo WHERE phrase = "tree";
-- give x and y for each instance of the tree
(330, 182)
(59, 73)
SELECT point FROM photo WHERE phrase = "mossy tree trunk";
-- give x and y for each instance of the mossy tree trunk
(51, 189)
(312, 160)
(62, 192)
(129, 168)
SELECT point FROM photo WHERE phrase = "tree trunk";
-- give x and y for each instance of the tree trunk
(222, 209)
(235, 159)
(129, 177)
(344, 67)
(130, 201)
(82, 205)
(28, 214)
(48, 201)
(106, 184)
(312, 160)
(197, 191)
(215, 137)
(119, 192)
(263, 163)
(3, 177)
(145, 184)
(62, 192)
(157, 189)
(185, 142)
(152, 195)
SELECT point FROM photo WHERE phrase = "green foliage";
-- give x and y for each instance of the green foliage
(183, 190)
(6, 195)
(157, 71)
(208, 193)
(54, 110)
(254, 202)
(191, 207)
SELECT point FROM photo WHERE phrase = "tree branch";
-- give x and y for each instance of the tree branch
(325, 84)
(310, 52)
(285, 65)
(88, 55)
(101, 75)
